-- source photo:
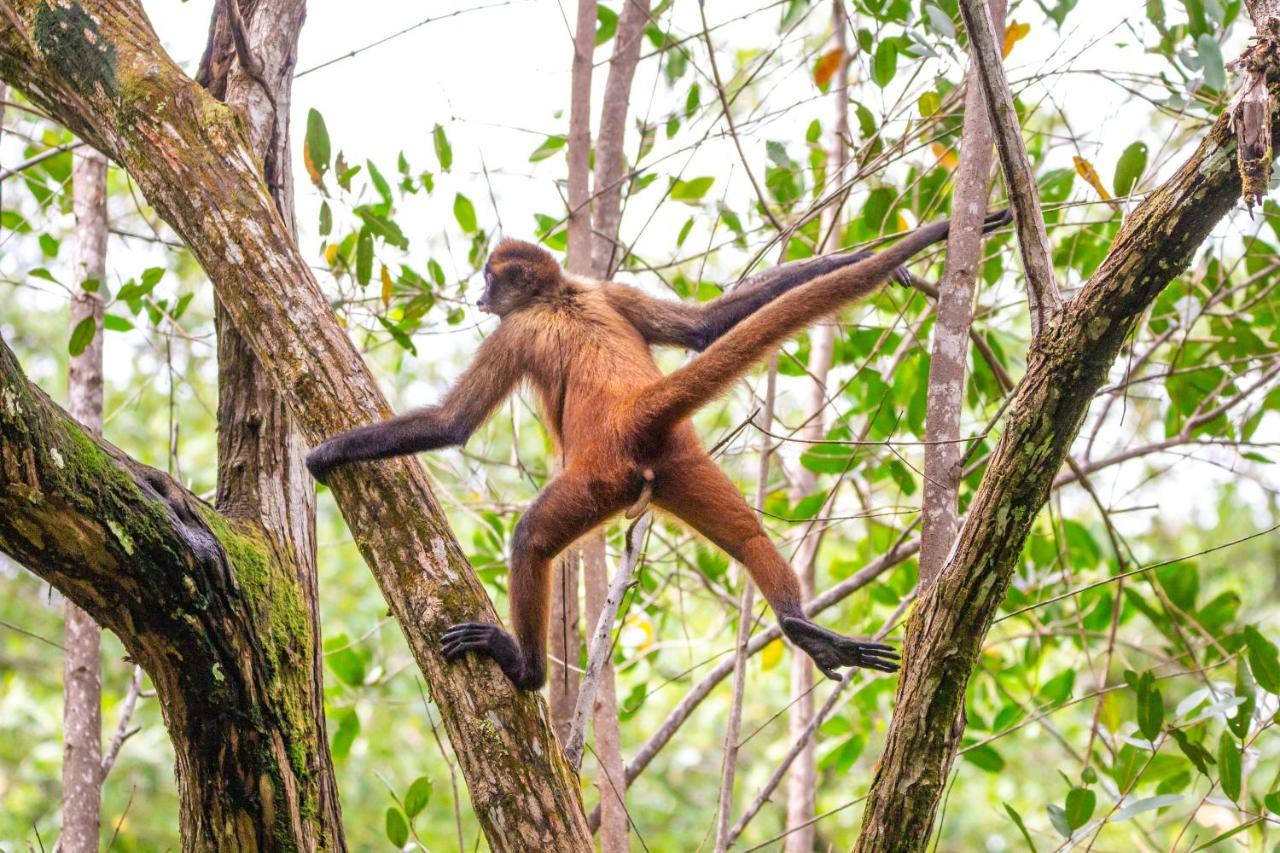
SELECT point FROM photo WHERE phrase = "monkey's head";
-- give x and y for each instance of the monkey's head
(517, 274)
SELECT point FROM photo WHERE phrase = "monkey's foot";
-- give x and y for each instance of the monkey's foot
(830, 650)
(496, 643)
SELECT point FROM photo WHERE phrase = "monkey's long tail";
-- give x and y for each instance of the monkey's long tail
(682, 392)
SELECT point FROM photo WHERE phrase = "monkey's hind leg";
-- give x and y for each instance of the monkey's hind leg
(567, 508)
(697, 492)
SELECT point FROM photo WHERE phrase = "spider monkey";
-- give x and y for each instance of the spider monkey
(623, 427)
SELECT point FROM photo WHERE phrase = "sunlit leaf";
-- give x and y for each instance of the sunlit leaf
(885, 63)
(1129, 168)
(1014, 33)
(691, 190)
(465, 212)
(1229, 771)
(444, 151)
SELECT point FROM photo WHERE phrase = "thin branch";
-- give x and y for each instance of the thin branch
(602, 640)
(1037, 261)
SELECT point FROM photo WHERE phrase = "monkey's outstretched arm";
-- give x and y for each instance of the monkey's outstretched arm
(485, 383)
(697, 326)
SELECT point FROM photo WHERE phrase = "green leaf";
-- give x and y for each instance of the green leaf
(465, 212)
(48, 245)
(1272, 802)
(379, 183)
(606, 24)
(345, 734)
(41, 272)
(399, 334)
(346, 662)
(116, 323)
(1022, 827)
(1215, 73)
(1146, 804)
(1150, 707)
(1195, 753)
(326, 219)
(986, 757)
(444, 151)
(382, 226)
(1263, 660)
(549, 146)
(885, 63)
(1229, 766)
(1058, 689)
(364, 256)
(1242, 720)
(81, 336)
(1080, 805)
(691, 190)
(417, 797)
(315, 147)
(941, 23)
(1058, 818)
(1129, 168)
(397, 827)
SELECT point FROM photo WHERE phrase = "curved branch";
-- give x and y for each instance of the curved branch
(206, 607)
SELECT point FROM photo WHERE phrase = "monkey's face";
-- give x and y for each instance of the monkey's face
(516, 275)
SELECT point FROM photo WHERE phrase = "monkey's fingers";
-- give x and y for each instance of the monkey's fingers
(830, 672)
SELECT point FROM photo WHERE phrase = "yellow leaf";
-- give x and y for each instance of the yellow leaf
(312, 171)
(771, 655)
(946, 155)
(1013, 34)
(1085, 170)
(386, 287)
(331, 254)
(827, 66)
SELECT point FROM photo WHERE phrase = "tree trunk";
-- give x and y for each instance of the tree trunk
(98, 68)
(262, 478)
(950, 353)
(802, 779)
(82, 664)
(1066, 366)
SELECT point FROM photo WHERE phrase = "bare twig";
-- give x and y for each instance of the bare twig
(734, 726)
(602, 640)
(123, 732)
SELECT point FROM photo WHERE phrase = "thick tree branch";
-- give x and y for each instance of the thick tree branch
(205, 606)
(105, 77)
(1065, 368)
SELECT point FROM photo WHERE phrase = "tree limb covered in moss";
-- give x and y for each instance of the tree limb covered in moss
(1066, 366)
(205, 606)
(99, 69)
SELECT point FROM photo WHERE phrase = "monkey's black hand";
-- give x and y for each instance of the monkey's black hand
(497, 644)
(830, 650)
(321, 461)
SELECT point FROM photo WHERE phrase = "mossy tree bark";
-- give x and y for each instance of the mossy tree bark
(1065, 367)
(205, 605)
(97, 67)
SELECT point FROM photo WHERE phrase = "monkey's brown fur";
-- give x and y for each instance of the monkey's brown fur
(584, 347)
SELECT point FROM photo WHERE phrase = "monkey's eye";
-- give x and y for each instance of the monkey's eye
(489, 278)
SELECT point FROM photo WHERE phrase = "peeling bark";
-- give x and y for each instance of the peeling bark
(189, 155)
(1066, 366)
